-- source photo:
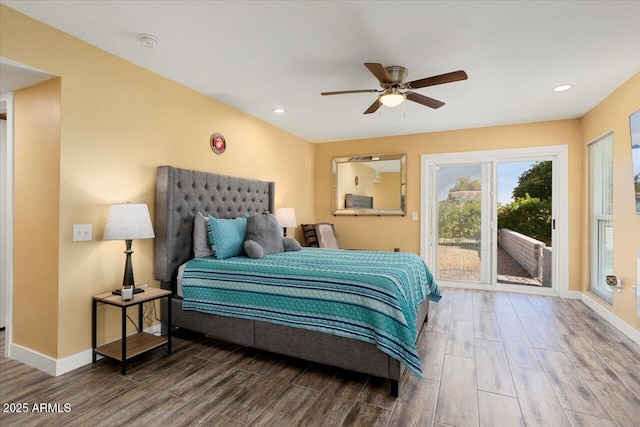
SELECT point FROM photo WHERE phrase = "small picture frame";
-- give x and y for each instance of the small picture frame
(218, 143)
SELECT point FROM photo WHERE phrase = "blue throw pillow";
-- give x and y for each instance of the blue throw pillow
(226, 236)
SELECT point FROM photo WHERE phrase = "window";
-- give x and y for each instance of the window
(601, 214)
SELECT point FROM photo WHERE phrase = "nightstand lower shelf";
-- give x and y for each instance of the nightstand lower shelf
(136, 344)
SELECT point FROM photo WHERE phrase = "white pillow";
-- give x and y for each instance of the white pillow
(327, 237)
(201, 246)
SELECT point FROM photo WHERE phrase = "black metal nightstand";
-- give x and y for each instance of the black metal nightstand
(136, 344)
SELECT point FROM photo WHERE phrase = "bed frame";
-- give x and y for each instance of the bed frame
(180, 195)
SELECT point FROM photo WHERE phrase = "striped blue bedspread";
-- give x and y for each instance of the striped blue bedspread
(370, 296)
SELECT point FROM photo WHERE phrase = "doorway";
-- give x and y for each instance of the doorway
(483, 226)
(6, 214)
(525, 223)
(15, 76)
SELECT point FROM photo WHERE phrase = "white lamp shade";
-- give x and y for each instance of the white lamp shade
(128, 221)
(392, 99)
(286, 217)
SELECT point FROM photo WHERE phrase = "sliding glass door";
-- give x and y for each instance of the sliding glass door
(461, 216)
(491, 222)
(525, 226)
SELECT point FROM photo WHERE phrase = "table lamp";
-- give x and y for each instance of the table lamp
(286, 217)
(128, 221)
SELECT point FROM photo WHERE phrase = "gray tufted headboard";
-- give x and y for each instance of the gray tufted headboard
(354, 201)
(181, 194)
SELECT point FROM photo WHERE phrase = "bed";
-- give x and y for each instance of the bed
(180, 195)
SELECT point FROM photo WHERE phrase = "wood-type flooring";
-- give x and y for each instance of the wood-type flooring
(489, 359)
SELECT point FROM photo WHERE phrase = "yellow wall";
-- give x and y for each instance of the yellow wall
(386, 191)
(386, 233)
(37, 206)
(118, 122)
(613, 114)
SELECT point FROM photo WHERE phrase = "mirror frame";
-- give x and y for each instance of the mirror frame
(402, 211)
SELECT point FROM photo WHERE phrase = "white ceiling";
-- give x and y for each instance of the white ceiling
(256, 56)
(15, 76)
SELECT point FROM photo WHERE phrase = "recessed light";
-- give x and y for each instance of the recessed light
(278, 110)
(562, 88)
(148, 40)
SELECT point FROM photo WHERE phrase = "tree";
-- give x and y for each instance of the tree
(536, 182)
(464, 183)
(459, 220)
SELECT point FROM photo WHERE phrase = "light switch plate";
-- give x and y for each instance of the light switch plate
(82, 232)
(414, 216)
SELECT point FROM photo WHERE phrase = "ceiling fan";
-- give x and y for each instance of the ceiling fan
(392, 80)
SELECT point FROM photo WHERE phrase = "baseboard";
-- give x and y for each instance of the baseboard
(571, 294)
(56, 367)
(73, 362)
(618, 323)
(34, 359)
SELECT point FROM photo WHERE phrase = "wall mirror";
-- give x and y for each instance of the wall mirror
(372, 184)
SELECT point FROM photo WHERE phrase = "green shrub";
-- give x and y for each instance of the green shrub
(529, 216)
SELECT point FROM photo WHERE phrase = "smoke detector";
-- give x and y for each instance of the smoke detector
(148, 40)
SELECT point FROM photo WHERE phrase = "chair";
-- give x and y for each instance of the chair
(321, 235)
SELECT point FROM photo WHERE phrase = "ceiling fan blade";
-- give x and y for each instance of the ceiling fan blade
(373, 107)
(424, 100)
(438, 80)
(379, 71)
(342, 92)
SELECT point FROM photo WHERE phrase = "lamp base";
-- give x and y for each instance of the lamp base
(135, 291)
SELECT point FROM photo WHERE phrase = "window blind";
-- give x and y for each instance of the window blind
(601, 214)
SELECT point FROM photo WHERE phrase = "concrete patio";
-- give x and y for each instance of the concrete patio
(462, 263)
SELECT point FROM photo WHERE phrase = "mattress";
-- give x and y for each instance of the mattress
(366, 295)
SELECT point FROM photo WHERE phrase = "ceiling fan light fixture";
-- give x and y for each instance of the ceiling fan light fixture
(392, 81)
(392, 99)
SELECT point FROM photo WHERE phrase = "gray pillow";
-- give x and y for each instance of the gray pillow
(264, 237)
(201, 246)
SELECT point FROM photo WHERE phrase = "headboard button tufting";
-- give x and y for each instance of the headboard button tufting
(191, 192)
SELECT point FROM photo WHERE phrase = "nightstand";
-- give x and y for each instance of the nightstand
(132, 345)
